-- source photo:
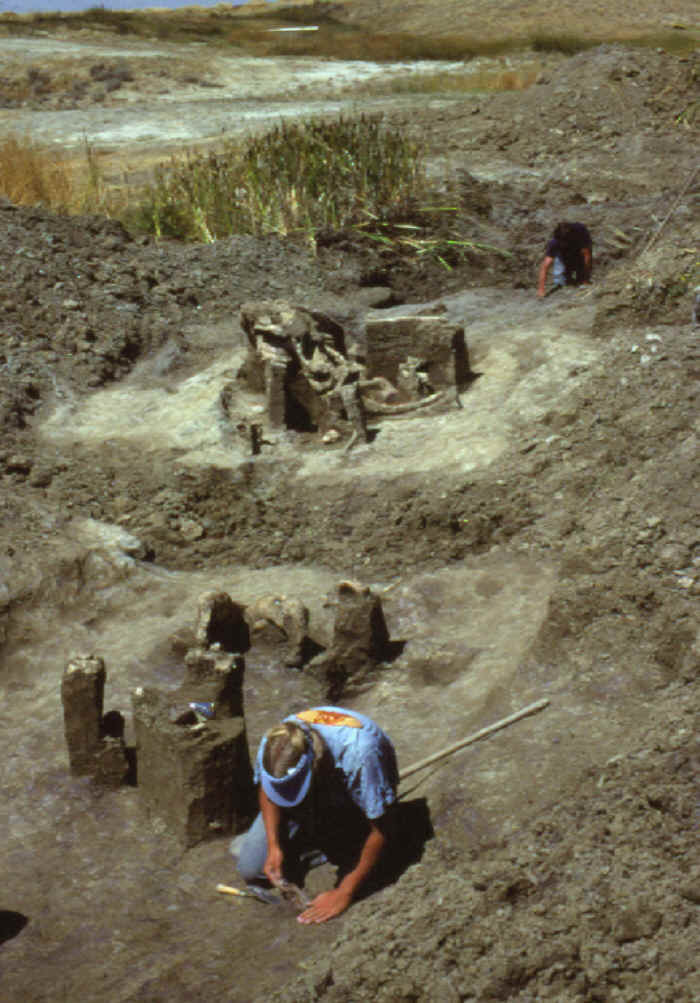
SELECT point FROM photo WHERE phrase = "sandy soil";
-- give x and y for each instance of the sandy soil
(540, 542)
(126, 99)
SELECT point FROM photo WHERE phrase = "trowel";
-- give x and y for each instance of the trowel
(252, 892)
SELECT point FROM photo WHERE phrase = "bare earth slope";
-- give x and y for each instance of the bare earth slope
(498, 19)
(543, 541)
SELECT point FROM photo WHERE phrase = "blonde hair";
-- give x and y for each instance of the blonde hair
(285, 744)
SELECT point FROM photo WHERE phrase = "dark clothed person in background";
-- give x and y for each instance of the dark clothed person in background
(569, 253)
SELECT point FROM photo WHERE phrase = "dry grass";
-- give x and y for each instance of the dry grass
(465, 82)
(34, 83)
(33, 175)
(248, 29)
(590, 19)
(30, 176)
(340, 42)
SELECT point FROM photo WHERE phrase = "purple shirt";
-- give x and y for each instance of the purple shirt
(570, 252)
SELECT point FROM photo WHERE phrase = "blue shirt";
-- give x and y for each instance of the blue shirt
(362, 756)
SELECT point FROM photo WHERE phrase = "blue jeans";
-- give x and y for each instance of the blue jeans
(251, 851)
(305, 844)
(573, 276)
(559, 272)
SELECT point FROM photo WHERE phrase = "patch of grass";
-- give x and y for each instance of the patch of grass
(35, 84)
(186, 25)
(298, 178)
(341, 42)
(679, 43)
(464, 82)
(424, 231)
(34, 175)
(561, 42)
(303, 180)
(29, 175)
(357, 176)
(251, 33)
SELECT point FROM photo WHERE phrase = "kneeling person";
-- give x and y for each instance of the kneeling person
(569, 253)
(328, 780)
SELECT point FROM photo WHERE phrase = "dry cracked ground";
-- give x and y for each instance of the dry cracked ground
(542, 541)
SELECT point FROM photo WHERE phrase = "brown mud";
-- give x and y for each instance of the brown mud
(540, 542)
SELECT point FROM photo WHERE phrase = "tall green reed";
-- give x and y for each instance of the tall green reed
(299, 178)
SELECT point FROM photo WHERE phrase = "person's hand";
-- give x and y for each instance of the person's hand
(273, 864)
(325, 906)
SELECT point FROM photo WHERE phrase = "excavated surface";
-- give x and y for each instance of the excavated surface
(540, 542)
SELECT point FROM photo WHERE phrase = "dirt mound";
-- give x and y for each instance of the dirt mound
(608, 100)
(84, 300)
(601, 108)
(596, 901)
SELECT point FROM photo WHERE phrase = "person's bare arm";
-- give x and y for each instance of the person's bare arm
(329, 904)
(542, 278)
(272, 818)
(332, 903)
